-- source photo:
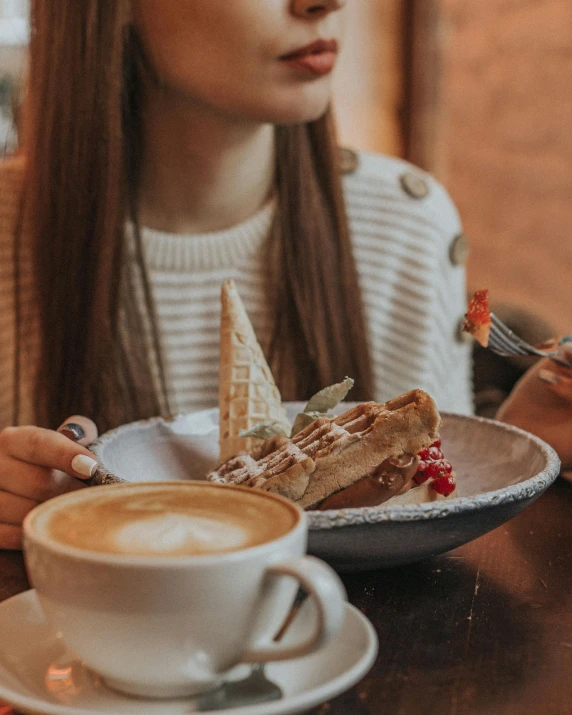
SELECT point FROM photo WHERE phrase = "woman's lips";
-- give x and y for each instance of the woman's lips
(319, 58)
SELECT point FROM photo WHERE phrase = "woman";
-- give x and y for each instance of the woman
(168, 146)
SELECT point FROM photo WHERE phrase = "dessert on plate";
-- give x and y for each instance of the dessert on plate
(364, 457)
(370, 454)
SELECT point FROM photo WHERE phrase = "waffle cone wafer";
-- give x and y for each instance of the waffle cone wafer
(247, 392)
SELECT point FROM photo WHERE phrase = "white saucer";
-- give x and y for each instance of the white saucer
(38, 675)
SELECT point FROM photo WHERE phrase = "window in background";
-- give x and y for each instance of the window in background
(13, 41)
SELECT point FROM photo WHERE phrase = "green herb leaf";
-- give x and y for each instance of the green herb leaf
(329, 397)
(266, 430)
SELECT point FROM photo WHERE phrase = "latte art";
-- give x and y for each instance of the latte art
(168, 532)
(166, 520)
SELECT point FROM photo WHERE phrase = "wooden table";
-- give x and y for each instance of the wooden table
(485, 629)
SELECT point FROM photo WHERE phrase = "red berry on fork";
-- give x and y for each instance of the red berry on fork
(437, 443)
(424, 454)
(444, 485)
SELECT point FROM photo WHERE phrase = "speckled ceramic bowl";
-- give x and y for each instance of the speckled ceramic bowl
(500, 471)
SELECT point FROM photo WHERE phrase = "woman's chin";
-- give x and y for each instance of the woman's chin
(297, 108)
(302, 117)
(298, 114)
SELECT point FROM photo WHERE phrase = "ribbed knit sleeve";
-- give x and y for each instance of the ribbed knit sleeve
(413, 293)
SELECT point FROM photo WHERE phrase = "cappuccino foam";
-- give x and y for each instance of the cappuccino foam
(166, 520)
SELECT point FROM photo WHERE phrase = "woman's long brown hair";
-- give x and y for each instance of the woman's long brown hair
(81, 139)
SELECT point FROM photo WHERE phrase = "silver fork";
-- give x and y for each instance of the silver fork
(504, 342)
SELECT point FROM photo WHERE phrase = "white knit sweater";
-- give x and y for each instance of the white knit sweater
(414, 296)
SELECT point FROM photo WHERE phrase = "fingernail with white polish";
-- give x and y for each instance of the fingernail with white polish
(84, 465)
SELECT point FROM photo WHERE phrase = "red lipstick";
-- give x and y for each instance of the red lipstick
(318, 58)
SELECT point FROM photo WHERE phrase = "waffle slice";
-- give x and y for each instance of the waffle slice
(247, 392)
(330, 455)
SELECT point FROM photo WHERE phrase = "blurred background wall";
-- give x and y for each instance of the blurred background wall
(507, 146)
(479, 92)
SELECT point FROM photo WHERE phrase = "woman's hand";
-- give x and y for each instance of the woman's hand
(541, 402)
(36, 465)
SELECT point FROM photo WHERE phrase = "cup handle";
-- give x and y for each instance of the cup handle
(323, 585)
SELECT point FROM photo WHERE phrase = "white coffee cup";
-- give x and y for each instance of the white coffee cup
(161, 588)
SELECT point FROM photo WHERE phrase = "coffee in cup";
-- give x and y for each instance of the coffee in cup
(161, 588)
(173, 521)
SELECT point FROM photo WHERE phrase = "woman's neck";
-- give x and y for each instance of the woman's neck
(201, 172)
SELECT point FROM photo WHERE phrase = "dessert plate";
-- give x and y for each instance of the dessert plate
(500, 470)
(38, 674)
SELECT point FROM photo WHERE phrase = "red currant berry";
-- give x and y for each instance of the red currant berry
(444, 485)
(437, 443)
(432, 470)
(435, 453)
(421, 474)
(442, 467)
(424, 454)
